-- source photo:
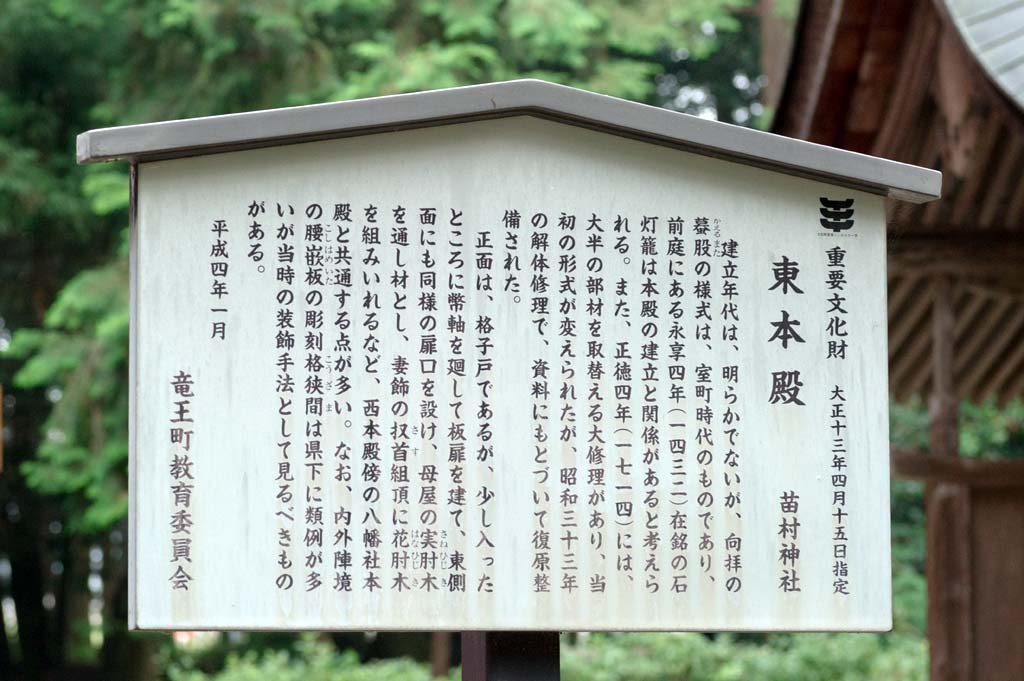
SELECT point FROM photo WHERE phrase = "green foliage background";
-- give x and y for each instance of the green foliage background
(70, 65)
(143, 61)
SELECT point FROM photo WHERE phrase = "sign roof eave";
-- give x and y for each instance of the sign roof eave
(230, 132)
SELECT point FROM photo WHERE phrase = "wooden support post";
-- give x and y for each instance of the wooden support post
(943, 408)
(440, 653)
(510, 656)
(950, 623)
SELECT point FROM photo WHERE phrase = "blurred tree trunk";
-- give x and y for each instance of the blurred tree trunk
(74, 600)
(61, 593)
(6, 667)
(27, 590)
(22, 531)
(125, 656)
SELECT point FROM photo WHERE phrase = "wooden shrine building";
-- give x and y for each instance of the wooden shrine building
(940, 83)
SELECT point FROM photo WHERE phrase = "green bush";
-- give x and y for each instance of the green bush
(625, 657)
(311, 661)
(695, 657)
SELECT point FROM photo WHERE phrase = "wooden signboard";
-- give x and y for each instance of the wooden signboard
(552, 365)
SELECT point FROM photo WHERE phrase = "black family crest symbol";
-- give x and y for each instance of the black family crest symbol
(836, 214)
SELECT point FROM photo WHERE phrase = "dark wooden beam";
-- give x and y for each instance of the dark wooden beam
(992, 256)
(879, 67)
(997, 349)
(1004, 183)
(900, 132)
(987, 473)
(976, 345)
(1012, 364)
(911, 316)
(808, 66)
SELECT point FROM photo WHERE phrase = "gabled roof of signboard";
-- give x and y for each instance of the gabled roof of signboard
(214, 134)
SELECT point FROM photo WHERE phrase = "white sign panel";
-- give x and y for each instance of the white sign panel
(506, 374)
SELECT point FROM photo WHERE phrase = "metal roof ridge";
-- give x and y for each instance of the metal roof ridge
(229, 132)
